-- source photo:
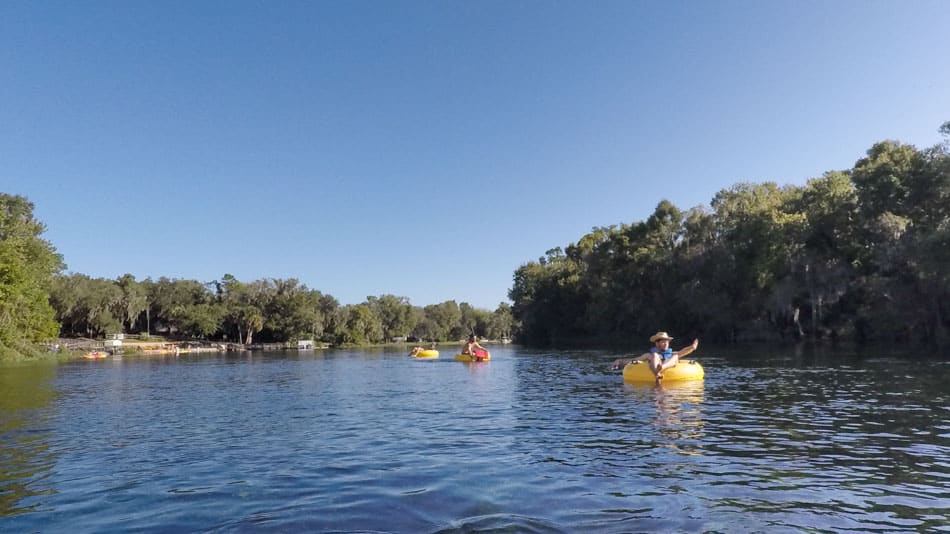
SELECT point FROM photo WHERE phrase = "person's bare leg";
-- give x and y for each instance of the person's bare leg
(671, 362)
(656, 365)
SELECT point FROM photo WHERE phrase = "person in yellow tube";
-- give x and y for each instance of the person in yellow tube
(660, 357)
(416, 350)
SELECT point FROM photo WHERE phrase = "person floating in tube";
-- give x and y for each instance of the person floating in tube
(660, 357)
(473, 349)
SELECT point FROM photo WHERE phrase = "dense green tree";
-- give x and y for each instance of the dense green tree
(483, 322)
(134, 300)
(427, 329)
(170, 303)
(89, 307)
(248, 320)
(546, 294)
(442, 321)
(501, 322)
(822, 271)
(27, 266)
(755, 247)
(244, 306)
(314, 314)
(361, 325)
(467, 318)
(331, 318)
(64, 299)
(292, 311)
(201, 320)
(860, 253)
(887, 179)
(395, 315)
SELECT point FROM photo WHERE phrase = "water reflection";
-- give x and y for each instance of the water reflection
(26, 392)
(678, 418)
(478, 370)
(374, 441)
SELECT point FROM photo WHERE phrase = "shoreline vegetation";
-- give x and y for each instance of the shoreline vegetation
(267, 312)
(857, 255)
(76, 348)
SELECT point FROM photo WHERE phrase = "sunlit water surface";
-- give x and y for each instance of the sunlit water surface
(531, 441)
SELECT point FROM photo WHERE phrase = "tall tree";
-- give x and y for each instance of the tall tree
(27, 266)
(361, 325)
(172, 304)
(442, 321)
(134, 300)
(824, 269)
(501, 322)
(244, 306)
(395, 314)
(291, 312)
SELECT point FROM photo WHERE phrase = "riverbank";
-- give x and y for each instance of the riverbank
(64, 349)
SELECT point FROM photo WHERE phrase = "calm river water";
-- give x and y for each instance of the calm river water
(532, 441)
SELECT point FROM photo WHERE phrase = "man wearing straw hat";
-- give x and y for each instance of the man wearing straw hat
(661, 357)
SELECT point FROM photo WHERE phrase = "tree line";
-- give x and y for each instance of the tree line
(268, 310)
(38, 302)
(861, 254)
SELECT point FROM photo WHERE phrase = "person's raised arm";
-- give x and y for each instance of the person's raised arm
(688, 349)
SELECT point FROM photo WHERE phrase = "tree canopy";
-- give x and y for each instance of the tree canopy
(269, 310)
(27, 266)
(857, 254)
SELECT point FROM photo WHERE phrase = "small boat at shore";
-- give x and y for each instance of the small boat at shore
(95, 355)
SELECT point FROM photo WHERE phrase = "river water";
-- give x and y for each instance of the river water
(773, 440)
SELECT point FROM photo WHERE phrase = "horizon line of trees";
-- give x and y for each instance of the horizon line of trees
(39, 302)
(267, 310)
(861, 254)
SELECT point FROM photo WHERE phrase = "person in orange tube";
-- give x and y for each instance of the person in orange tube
(473, 349)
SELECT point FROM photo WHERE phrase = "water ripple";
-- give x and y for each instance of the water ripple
(529, 442)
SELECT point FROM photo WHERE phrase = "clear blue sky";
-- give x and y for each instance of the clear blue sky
(428, 149)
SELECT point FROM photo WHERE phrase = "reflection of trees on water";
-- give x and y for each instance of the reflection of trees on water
(25, 460)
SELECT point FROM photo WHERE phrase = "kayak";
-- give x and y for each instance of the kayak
(427, 354)
(480, 356)
(684, 370)
(95, 355)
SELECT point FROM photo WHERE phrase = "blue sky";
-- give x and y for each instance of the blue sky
(428, 149)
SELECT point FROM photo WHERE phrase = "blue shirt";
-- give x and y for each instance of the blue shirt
(666, 354)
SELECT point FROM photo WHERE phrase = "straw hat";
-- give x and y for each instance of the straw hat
(660, 335)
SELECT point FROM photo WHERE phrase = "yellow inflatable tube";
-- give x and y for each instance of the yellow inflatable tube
(684, 370)
(427, 354)
(470, 358)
